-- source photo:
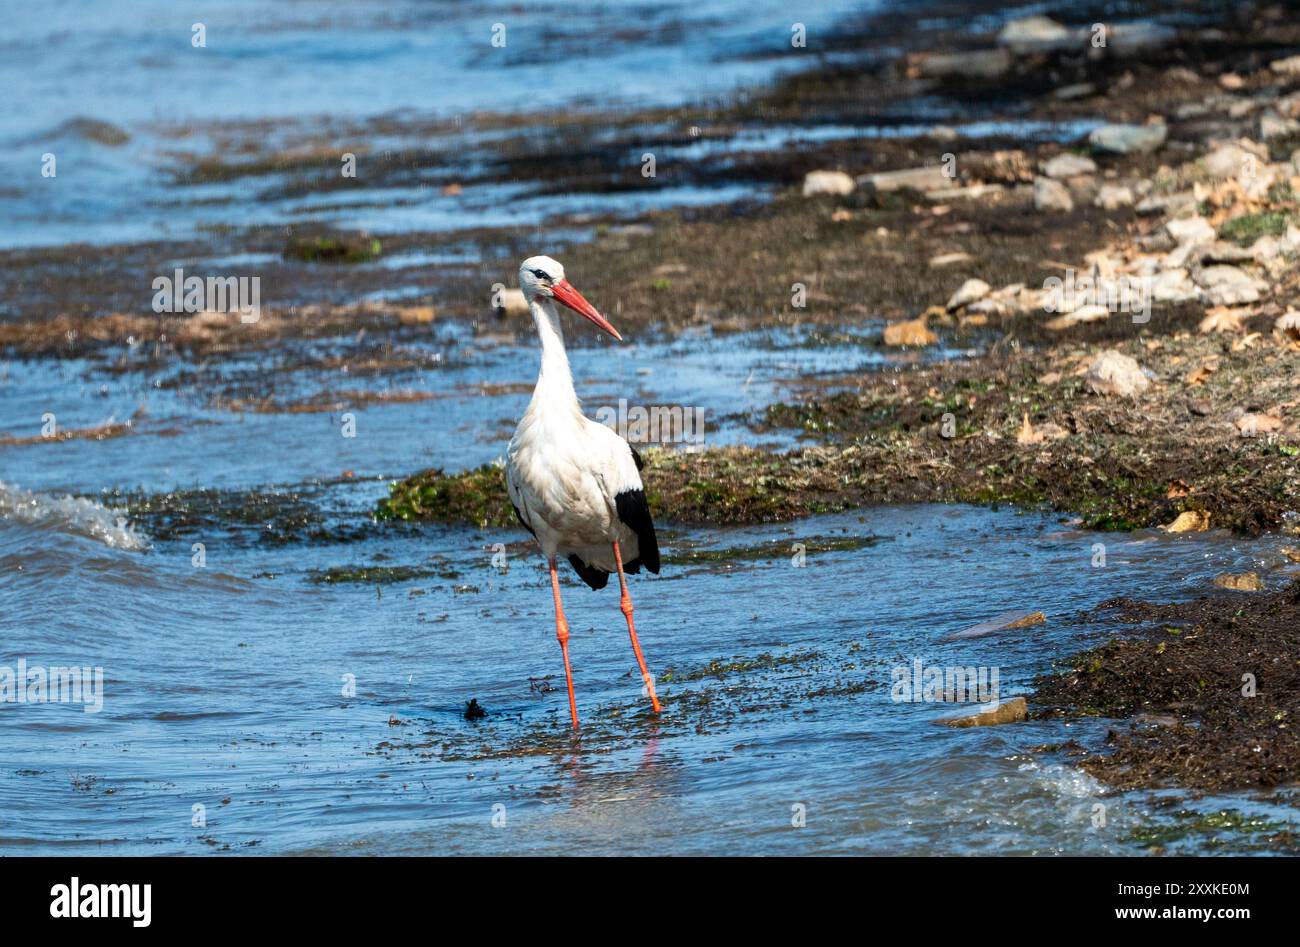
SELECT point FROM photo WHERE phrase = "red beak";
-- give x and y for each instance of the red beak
(565, 293)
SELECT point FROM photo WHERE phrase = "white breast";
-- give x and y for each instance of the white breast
(563, 475)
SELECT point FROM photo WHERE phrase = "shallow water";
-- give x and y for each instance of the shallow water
(224, 682)
(224, 687)
(183, 434)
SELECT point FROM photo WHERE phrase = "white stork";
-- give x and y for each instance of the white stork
(573, 482)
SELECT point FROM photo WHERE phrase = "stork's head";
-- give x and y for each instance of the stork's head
(542, 276)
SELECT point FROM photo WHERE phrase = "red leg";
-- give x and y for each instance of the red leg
(625, 603)
(562, 635)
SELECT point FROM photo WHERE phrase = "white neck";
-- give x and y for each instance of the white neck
(554, 389)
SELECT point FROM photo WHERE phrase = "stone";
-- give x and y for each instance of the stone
(1291, 241)
(1129, 139)
(1032, 34)
(1113, 197)
(1069, 165)
(1114, 373)
(1225, 285)
(909, 332)
(1290, 66)
(1052, 195)
(1091, 313)
(1077, 90)
(969, 192)
(1189, 521)
(1126, 39)
(1266, 248)
(1007, 621)
(1273, 126)
(827, 182)
(1004, 711)
(1289, 324)
(1173, 204)
(972, 64)
(1239, 582)
(1191, 230)
(967, 293)
(1228, 161)
(928, 178)
(1083, 188)
(1173, 286)
(948, 259)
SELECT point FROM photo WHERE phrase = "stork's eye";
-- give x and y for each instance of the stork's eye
(541, 274)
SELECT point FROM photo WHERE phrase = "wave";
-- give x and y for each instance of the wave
(70, 514)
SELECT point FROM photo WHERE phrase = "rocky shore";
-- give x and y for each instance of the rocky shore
(1132, 297)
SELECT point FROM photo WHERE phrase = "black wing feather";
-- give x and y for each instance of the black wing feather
(634, 512)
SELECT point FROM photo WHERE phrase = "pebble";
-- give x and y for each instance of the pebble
(828, 182)
(1052, 195)
(1069, 165)
(1128, 139)
(969, 291)
(1114, 196)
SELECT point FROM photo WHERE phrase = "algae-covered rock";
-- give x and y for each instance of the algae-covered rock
(332, 248)
(476, 496)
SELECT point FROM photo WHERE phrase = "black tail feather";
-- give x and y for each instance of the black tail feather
(596, 578)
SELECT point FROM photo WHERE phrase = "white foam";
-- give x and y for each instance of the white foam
(70, 514)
